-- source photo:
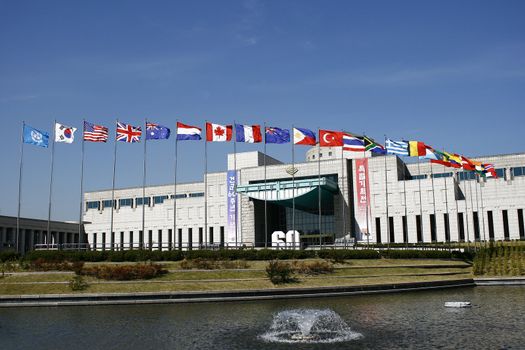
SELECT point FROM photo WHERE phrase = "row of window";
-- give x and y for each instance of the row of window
(470, 175)
(461, 220)
(128, 202)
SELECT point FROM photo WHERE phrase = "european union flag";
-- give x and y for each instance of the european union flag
(156, 132)
(276, 135)
(35, 137)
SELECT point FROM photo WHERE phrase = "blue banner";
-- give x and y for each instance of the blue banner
(231, 182)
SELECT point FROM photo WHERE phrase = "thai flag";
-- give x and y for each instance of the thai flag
(188, 132)
(248, 133)
(353, 143)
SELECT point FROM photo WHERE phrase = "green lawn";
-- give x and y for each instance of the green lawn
(350, 273)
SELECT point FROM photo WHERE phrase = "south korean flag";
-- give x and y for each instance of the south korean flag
(64, 133)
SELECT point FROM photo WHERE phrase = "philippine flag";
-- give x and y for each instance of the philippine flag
(187, 132)
(218, 133)
(303, 137)
(248, 133)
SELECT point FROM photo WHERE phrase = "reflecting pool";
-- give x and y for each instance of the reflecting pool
(415, 320)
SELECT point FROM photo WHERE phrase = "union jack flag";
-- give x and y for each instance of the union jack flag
(128, 133)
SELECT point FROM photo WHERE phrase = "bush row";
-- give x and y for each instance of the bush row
(242, 254)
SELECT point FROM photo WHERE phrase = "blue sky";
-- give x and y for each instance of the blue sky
(450, 73)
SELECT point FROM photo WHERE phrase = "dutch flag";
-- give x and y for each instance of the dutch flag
(188, 132)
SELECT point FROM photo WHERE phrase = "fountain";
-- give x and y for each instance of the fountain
(309, 326)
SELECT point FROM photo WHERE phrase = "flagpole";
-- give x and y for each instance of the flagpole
(205, 190)
(343, 192)
(386, 198)
(236, 180)
(433, 199)
(80, 216)
(420, 198)
(482, 211)
(446, 204)
(17, 238)
(175, 190)
(405, 199)
(51, 183)
(144, 181)
(319, 188)
(113, 193)
(367, 208)
(293, 186)
(265, 194)
(466, 208)
(472, 208)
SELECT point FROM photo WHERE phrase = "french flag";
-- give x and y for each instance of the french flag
(188, 132)
(248, 133)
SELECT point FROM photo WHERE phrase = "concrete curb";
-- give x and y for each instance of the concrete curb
(503, 281)
(223, 296)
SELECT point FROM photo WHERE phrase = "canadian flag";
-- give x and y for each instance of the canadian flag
(218, 133)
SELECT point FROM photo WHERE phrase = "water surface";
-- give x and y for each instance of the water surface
(414, 320)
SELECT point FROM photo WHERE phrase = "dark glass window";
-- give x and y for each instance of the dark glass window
(378, 230)
(433, 228)
(476, 225)
(419, 228)
(179, 196)
(506, 232)
(93, 205)
(145, 200)
(107, 203)
(467, 175)
(391, 229)
(519, 171)
(490, 219)
(436, 176)
(417, 177)
(461, 226)
(405, 229)
(159, 199)
(197, 194)
(125, 202)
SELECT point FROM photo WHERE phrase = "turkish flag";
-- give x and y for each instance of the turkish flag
(329, 138)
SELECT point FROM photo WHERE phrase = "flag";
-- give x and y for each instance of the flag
(442, 158)
(353, 143)
(303, 136)
(467, 164)
(396, 147)
(218, 133)
(157, 132)
(188, 132)
(455, 160)
(248, 133)
(128, 133)
(95, 133)
(372, 146)
(64, 133)
(490, 171)
(431, 154)
(276, 135)
(35, 137)
(328, 138)
(416, 149)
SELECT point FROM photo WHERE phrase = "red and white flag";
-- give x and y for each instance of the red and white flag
(218, 132)
(328, 138)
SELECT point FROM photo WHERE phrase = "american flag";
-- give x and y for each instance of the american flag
(128, 133)
(95, 133)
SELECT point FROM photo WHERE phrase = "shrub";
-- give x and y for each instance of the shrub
(314, 267)
(78, 283)
(125, 272)
(9, 255)
(280, 272)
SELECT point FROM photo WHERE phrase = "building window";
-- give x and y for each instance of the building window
(107, 203)
(378, 230)
(475, 217)
(197, 194)
(159, 199)
(447, 227)
(179, 196)
(439, 175)
(520, 171)
(329, 154)
(433, 228)
(145, 200)
(93, 205)
(490, 220)
(391, 229)
(405, 230)
(419, 177)
(506, 232)
(461, 225)
(419, 228)
(521, 228)
(125, 202)
(313, 156)
(467, 175)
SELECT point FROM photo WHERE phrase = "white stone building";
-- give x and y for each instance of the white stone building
(413, 203)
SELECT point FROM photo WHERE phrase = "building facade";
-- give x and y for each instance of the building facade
(333, 197)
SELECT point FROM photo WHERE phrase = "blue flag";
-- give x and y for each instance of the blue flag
(35, 137)
(156, 132)
(276, 135)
